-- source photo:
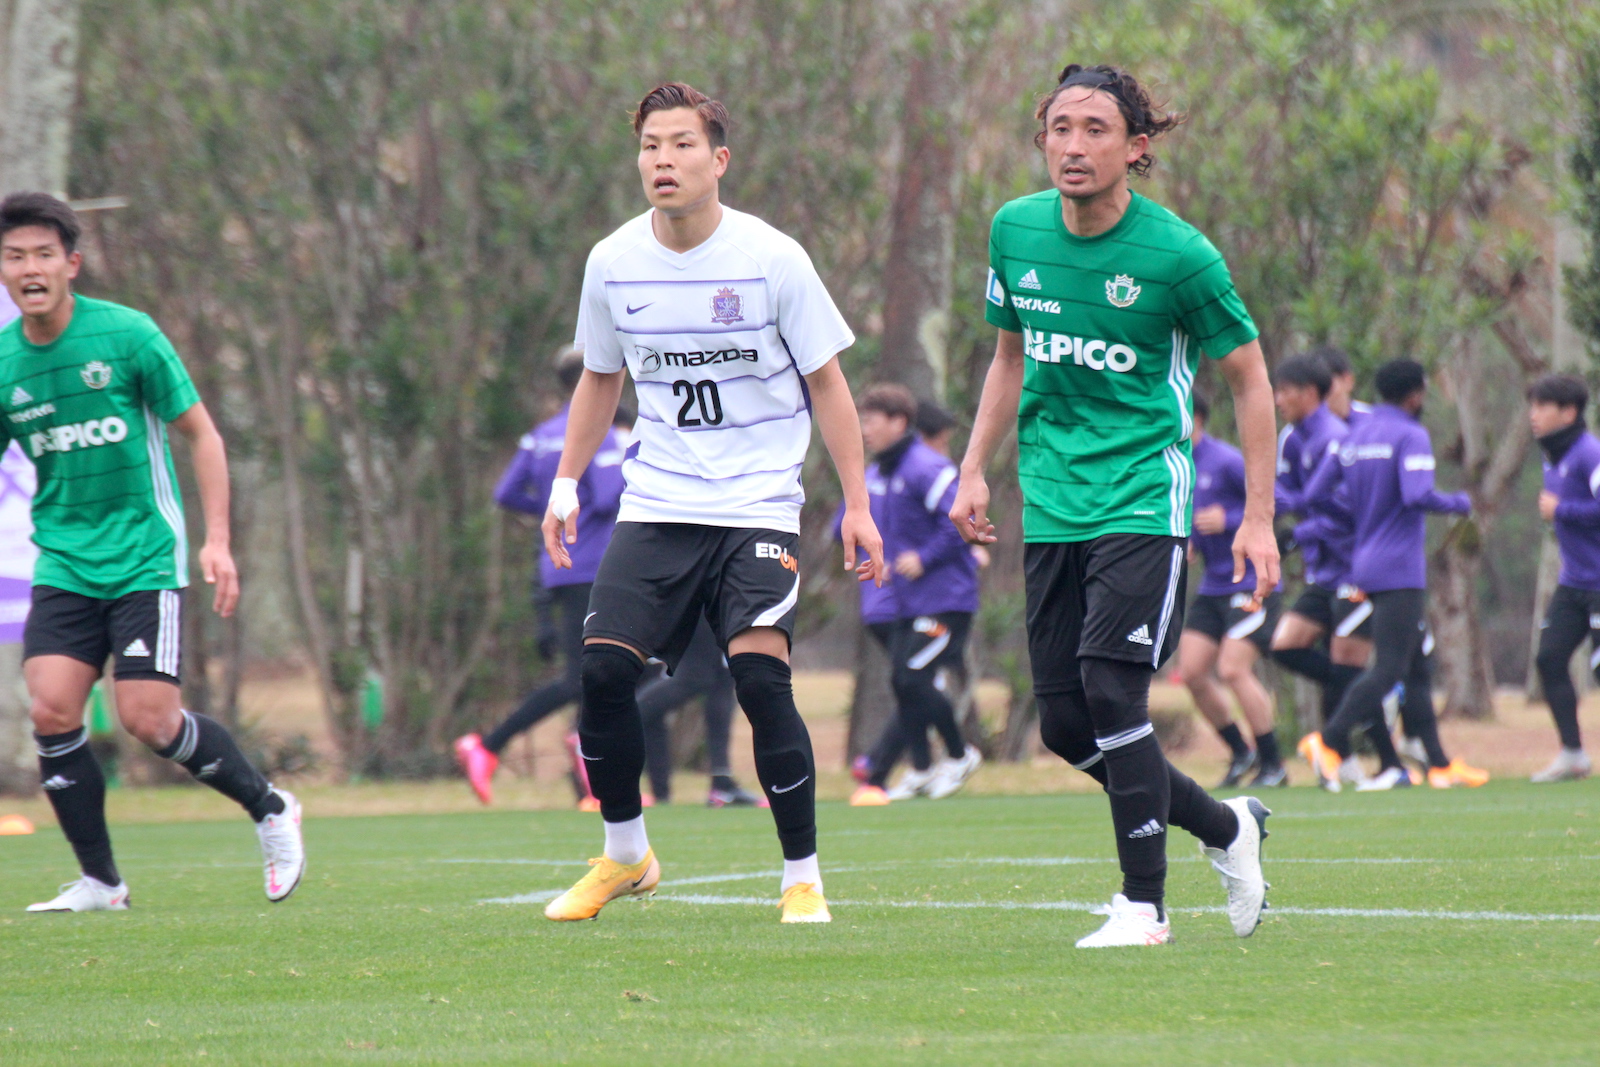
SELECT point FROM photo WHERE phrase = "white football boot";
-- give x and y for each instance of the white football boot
(1385, 780)
(283, 850)
(953, 773)
(1239, 865)
(1569, 766)
(1128, 923)
(913, 783)
(87, 894)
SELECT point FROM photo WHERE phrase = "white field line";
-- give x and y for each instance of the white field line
(1078, 905)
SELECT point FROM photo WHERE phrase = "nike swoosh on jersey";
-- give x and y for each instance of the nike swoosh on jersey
(641, 307)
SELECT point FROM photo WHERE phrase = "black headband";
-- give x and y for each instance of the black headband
(1097, 79)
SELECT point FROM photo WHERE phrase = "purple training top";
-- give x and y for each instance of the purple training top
(1219, 479)
(525, 487)
(912, 489)
(1574, 477)
(1325, 531)
(1386, 464)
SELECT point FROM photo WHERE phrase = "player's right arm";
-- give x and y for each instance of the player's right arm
(594, 404)
(997, 414)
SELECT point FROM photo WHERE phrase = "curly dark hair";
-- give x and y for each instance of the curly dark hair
(1139, 111)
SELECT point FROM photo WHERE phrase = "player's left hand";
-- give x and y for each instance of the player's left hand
(908, 564)
(858, 531)
(1256, 543)
(1547, 505)
(1211, 520)
(218, 569)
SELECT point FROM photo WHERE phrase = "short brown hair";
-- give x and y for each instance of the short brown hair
(675, 95)
(1141, 114)
(41, 209)
(891, 399)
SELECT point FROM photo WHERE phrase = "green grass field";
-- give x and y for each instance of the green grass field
(951, 942)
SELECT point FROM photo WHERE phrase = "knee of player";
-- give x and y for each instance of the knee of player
(49, 719)
(153, 724)
(1232, 673)
(760, 680)
(610, 673)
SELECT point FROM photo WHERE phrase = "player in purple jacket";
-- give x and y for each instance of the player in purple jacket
(525, 488)
(1386, 466)
(1330, 609)
(922, 614)
(1226, 629)
(1571, 501)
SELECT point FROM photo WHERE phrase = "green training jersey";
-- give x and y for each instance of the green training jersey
(90, 410)
(1112, 328)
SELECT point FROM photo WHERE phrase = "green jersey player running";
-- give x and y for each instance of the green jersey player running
(88, 389)
(1104, 301)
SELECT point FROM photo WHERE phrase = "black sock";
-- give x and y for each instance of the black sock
(1383, 745)
(1117, 695)
(206, 749)
(1312, 663)
(611, 731)
(1267, 748)
(77, 790)
(1195, 810)
(782, 748)
(535, 707)
(724, 782)
(1230, 733)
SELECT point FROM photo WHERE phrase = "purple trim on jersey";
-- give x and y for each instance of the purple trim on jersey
(1386, 466)
(1219, 479)
(1575, 480)
(910, 515)
(525, 487)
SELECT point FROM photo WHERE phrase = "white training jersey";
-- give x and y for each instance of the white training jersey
(717, 340)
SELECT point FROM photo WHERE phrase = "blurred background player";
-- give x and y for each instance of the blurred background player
(937, 427)
(90, 388)
(703, 672)
(1386, 466)
(923, 612)
(561, 595)
(1569, 501)
(1330, 609)
(1226, 629)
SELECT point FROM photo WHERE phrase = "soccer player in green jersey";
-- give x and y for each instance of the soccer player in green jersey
(88, 388)
(1104, 301)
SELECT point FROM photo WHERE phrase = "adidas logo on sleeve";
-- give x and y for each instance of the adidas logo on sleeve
(1141, 636)
(1149, 829)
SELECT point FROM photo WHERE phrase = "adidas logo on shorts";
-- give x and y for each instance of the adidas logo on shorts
(1141, 636)
(138, 648)
(1149, 829)
(1029, 280)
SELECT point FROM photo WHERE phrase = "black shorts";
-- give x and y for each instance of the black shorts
(144, 630)
(1119, 596)
(657, 579)
(1341, 612)
(927, 642)
(1224, 615)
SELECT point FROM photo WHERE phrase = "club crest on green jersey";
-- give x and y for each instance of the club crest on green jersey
(1121, 291)
(96, 375)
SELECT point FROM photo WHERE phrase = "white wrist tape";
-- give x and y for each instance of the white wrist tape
(563, 497)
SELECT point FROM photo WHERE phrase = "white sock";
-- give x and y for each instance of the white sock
(797, 871)
(625, 841)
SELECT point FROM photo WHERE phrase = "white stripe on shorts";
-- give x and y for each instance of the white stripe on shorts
(1166, 605)
(1248, 625)
(771, 616)
(169, 633)
(1352, 622)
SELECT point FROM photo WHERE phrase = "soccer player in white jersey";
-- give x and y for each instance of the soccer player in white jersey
(732, 342)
